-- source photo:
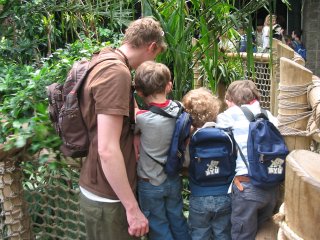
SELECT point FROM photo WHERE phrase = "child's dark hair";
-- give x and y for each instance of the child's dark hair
(298, 33)
(242, 92)
(152, 78)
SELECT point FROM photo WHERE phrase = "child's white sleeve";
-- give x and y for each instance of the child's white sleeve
(273, 119)
(224, 121)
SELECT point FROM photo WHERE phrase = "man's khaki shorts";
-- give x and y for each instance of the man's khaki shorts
(104, 221)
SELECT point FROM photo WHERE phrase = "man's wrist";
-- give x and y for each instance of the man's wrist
(131, 206)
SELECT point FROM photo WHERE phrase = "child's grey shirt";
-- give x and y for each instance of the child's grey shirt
(156, 133)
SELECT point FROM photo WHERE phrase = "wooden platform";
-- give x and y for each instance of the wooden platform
(268, 232)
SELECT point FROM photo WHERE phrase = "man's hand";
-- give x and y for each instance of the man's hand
(138, 223)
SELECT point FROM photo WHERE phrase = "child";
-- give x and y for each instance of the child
(251, 206)
(209, 206)
(159, 195)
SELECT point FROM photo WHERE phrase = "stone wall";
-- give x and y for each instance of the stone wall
(311, 34)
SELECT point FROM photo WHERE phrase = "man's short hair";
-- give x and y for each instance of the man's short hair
(242, 92)
(152, 78)
(202, 106)
(145, 31)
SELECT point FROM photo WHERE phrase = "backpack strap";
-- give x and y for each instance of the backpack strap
(249, 115)
(162, 112)
(160, 163)
(263, 111)
(242, 156)
(90, 67)
(181, 108)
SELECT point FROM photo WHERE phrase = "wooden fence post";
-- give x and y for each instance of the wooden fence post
(293, 112)
(302, 193)
(16, 223)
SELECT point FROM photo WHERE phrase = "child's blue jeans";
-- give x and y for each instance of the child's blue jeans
(209, 217)
(162, 205)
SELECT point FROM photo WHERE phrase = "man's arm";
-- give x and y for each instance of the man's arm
(109, 131)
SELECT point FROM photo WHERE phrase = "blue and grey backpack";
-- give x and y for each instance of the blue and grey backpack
(213, 155)
(176, 153)
(267, 151)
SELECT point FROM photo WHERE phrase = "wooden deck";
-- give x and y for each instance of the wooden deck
(268, 232)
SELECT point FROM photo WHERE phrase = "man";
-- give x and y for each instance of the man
(108, 176)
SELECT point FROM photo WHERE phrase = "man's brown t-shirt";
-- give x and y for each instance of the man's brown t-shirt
(107, 90)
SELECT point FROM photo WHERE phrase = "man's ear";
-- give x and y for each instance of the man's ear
(153, 47)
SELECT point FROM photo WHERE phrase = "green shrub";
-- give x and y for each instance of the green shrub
(23, 99)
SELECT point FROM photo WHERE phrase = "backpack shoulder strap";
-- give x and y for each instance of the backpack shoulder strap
(181, 108)
(159, 111)
(242, 156)
(88, 70)
(249, 115)
(263, 111)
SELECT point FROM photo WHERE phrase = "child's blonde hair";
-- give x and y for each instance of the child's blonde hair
(202, 106)
(152, 78)
(242, 92)
(145, 31)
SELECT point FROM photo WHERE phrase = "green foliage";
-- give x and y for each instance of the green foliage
(204, 21)
(23, 104)
(177, 27)
(30, 30)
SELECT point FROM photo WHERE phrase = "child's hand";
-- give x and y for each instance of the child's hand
(136, 144)
(238, 184)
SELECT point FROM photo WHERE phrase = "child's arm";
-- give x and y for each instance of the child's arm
(136, 144)
(137, 133)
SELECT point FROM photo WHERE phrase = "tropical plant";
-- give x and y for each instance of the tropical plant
(206, 21)
(30, 30)
(23, 105)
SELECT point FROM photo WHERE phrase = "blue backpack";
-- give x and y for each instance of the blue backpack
(181, 133)
(267, 151)
(213, 155)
